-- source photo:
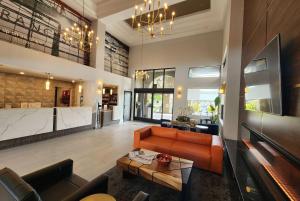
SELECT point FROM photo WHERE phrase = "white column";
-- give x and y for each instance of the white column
(97, 55)
(232, 70)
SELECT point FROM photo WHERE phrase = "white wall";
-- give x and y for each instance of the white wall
(194, 51)
(28, 60)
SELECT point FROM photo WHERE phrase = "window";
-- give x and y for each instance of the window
(204, 72)
(200, 99)
(157, 79)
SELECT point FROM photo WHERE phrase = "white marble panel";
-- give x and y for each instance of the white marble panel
(71, 117)
(21, 122)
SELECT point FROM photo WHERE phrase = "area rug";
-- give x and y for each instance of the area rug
(205, 186)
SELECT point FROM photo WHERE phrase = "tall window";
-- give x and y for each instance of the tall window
(154, 96)
(204, 72)
(157, 79)
(200, 99)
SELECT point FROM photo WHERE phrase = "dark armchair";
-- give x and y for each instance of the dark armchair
(53, 183)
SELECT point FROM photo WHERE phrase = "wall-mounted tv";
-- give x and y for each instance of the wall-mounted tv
(263, 80)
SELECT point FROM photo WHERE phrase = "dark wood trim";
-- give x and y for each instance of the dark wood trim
(279, 148)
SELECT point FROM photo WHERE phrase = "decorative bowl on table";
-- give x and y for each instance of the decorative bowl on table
(163, 159)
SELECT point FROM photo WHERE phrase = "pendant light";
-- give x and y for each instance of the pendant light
(47, 83)
(80, 87)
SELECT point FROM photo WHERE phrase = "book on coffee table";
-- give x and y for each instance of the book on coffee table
(142, 157)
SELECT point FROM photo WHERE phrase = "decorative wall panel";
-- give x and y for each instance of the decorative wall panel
(264, 19)
(15, 89)
(116, 56)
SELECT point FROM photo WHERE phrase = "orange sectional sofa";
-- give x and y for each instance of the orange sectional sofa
(205, 150)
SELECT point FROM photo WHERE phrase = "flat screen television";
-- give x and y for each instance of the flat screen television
(263, 80)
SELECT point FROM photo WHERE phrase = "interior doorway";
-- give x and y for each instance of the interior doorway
(127, 105)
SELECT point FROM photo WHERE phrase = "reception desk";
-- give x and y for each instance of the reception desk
(16, 123)
(24, 125)
(72, 117)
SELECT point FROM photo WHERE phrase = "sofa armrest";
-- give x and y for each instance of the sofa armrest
(141, 196)
(97, 185)
(47, 176)
(141, 134)
(217, 153)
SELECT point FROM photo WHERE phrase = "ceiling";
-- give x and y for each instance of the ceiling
(113, 14)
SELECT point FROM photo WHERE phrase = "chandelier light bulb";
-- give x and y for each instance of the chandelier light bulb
(166, 6)
(173, 13)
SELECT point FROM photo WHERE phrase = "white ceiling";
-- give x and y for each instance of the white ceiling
(113, 13)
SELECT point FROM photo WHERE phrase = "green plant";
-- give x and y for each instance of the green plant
(214, 110)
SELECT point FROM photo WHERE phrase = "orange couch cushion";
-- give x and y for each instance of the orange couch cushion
(170, 133)
(158, 144)
(198, 138)
(200, 154)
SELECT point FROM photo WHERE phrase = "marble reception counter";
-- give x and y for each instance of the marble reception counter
(16, 123)
(25, 122)
(71, 117)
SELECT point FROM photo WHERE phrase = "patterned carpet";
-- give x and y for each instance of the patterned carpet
(205, 186)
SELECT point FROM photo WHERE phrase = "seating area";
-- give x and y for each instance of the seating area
(149, 100)
(205, 150)
(56, 182)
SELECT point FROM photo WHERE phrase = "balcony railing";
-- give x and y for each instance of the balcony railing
(37, 24)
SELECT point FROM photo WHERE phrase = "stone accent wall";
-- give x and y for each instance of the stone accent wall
(15, 89)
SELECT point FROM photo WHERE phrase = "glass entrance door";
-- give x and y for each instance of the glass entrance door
(143, 106)
(153, 106)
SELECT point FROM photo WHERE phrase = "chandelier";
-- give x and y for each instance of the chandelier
(80, 35)
(152, 17)
(141, 75)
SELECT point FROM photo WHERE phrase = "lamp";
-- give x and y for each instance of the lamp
(47, 83)
(222, 89)
(179, 92)
(80, 87)
(152, 17)
(80, 34)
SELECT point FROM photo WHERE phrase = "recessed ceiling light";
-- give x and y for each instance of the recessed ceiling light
(22, 73)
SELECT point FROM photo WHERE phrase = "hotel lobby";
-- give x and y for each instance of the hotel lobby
(149, 100)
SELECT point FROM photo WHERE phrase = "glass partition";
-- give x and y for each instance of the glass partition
(169, 80)
(158, 79)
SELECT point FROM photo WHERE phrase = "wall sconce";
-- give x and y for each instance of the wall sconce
(111, 91)
(222, 89)
(80, 87)
(99, 87)
(247, 90)
(179, 92)
(103, 91)
(47, 83)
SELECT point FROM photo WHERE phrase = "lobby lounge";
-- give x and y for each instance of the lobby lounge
(149, 100)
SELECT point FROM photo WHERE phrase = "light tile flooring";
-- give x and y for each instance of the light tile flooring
(94, 151)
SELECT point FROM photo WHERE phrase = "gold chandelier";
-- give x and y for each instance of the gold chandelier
(141, 75)
(80, 35)
(152, 17)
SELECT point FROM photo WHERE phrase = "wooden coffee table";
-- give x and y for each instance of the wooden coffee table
(175, 176)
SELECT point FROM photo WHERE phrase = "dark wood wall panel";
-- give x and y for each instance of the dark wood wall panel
(262, 21)
(256, 42)
(283, 130)
(254, 12)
